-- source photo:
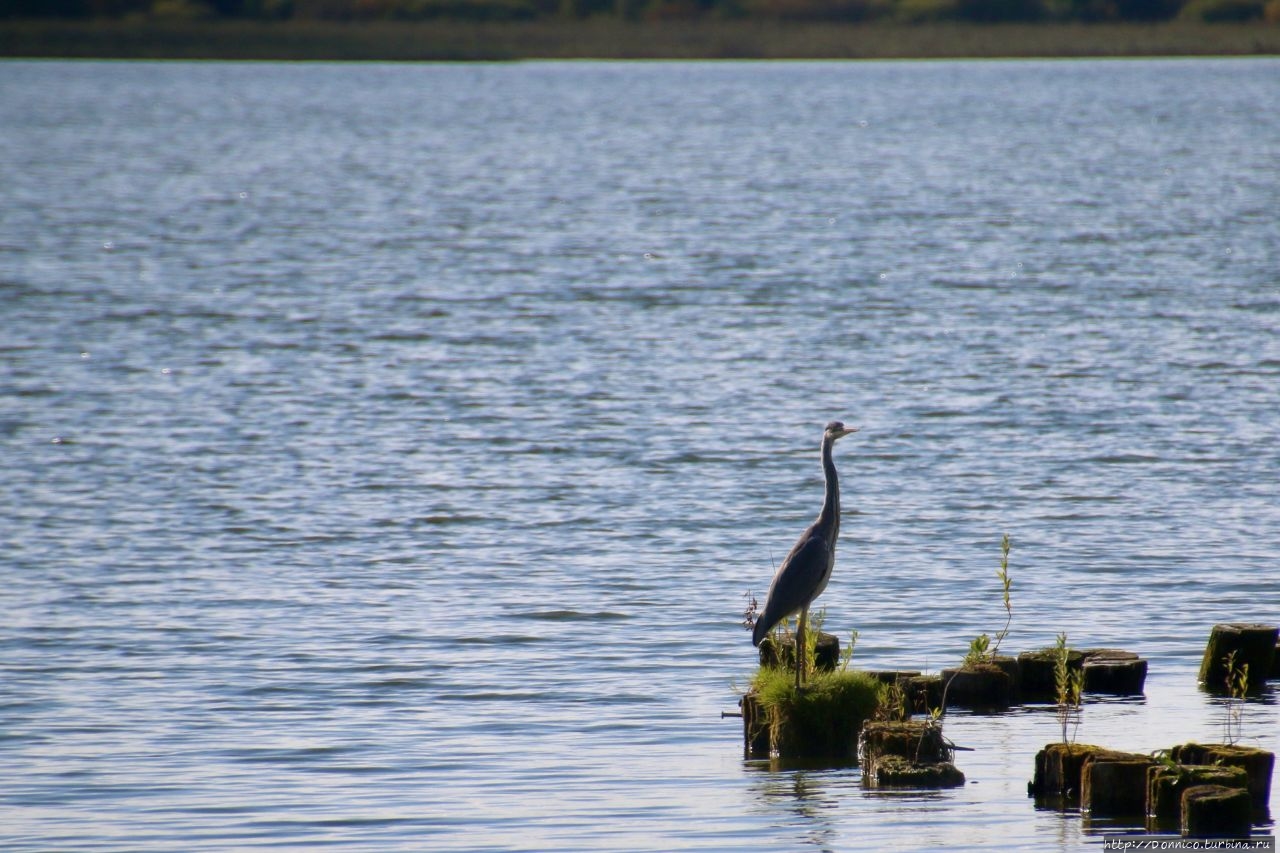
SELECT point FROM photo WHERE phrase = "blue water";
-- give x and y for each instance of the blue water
(387, 450)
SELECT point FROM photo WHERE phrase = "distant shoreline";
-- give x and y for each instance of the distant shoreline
(611, 39)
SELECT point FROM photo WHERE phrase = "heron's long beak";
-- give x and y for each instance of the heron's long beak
(848, 430)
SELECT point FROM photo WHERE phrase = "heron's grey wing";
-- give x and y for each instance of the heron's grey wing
(795, 584)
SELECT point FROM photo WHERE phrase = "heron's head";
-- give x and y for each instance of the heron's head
(836, 429)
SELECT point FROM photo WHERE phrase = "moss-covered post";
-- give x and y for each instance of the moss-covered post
(819, 720)
(1253, 645)
(825, 656)
(1059, 768)
(1215, 811)
(923, 693)
(1114, 784)
(1114, 672)
(755, 727)
(1257, 764)
(1166, 784)
(1036, 673)
(981, 686)
(910, 754)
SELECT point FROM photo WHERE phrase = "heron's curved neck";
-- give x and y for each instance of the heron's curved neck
(830, 515)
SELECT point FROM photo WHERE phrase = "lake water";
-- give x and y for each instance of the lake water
(387, 450)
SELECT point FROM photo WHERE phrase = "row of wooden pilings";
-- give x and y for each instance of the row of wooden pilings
(1201, 789)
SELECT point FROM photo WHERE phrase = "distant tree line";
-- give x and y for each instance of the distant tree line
(847, 11)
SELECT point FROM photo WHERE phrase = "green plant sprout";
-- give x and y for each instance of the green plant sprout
(977, 650)
(847, 655)
(981, 649)
(1237, 683)
(811, 631)
(1003, 574)
(1070, 686)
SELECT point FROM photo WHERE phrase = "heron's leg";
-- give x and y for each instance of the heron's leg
(801, 645)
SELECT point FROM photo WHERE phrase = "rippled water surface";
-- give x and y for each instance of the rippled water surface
(387, 449)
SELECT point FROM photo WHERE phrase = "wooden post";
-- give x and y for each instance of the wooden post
(755, 727)
(1113, 784)
(1036, 673)
(1114, 672)
(911, 754)
(1165, 785)
(1215, 811)
(820, 720)
(1059, 766)
(826, 652)
(983, 686)
(924, 693)
(1254, 645)
(916, 740)
(1257, 764)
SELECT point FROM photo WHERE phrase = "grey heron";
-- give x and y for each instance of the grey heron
(804, 573)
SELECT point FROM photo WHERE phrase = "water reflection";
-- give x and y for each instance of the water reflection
(814, 800)
(806, 797)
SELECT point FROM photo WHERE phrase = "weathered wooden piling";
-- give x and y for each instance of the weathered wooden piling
(923, 692)
(1036, 671)
(1013, 669)
(895, 772)
(1253, 645)
(1166, 784)
(1215, 811)
(981, 686)
(1114, 783)
(896, 703)
(911, 754)
(1114, 672)
(1058, 768)
(819, 720)
(916, 740)
(783, 655)
(892, 676)
(1256, 763)
(755, 727)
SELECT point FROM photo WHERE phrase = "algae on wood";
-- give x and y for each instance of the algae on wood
(1166, 783)
(1215, 811)
(1036, 670)
(1114, 672)
(1058, 768)
(980, 686)
(1257, 764)
(1114, 784)
(923, 693)
(911, 753)
(917, 740)
(1254, 646)
(896, 772)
